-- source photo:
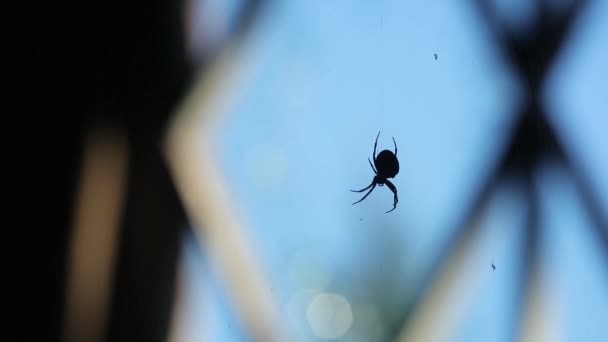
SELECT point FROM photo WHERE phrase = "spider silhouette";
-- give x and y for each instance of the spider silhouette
(387, 166)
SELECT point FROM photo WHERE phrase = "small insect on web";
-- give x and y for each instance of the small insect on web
(386, 166)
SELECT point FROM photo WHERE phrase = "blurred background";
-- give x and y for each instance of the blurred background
(198, 174)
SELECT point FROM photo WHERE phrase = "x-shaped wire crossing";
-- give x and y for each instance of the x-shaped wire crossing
(532, 141)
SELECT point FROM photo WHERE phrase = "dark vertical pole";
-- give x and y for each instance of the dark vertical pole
(145, 275)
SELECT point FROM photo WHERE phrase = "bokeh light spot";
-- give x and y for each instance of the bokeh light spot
(329, 315)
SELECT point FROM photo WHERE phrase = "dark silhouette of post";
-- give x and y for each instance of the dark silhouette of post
(97, 63)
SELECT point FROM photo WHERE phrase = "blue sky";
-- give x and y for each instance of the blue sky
(328, 75)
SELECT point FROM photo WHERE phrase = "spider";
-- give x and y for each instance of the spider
(387, 166)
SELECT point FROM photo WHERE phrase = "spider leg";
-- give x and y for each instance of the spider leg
(367, 187)
(372, 165)
(367, 194)
(376, 144)
(395, 146)
(394, 190)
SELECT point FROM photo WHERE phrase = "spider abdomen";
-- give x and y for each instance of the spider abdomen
(387, 164)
